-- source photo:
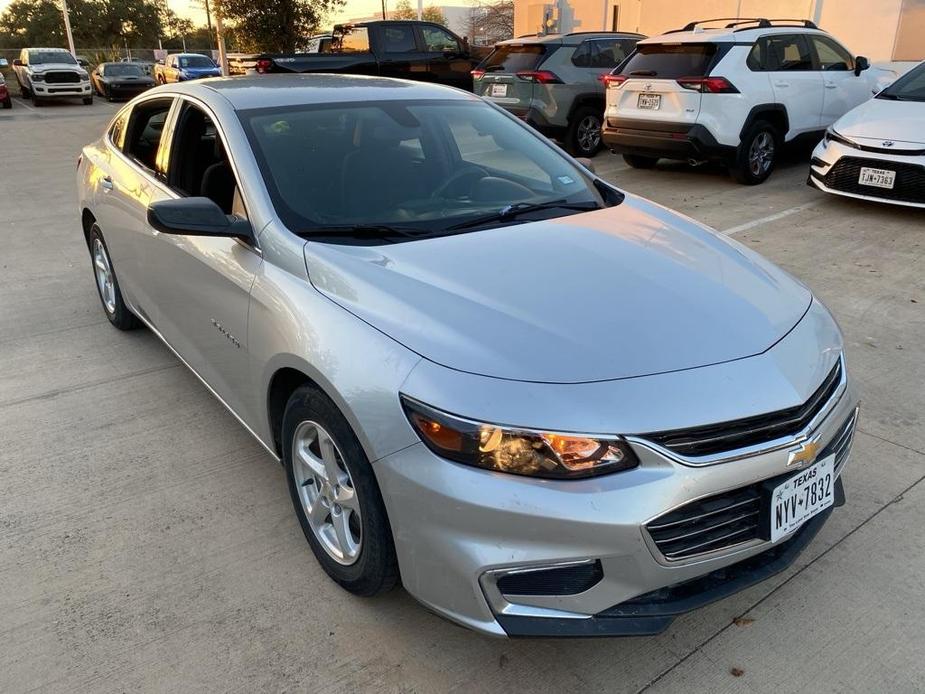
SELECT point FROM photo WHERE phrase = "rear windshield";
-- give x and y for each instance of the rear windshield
(514, 58)
(670, 60)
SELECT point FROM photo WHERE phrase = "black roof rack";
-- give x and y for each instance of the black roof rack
(736, 23)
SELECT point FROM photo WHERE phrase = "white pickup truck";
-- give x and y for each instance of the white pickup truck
(51, 73)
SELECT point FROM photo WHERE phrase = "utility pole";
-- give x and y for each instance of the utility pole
(220, 38)
(67, 28)
(383, 10)
(420, 9)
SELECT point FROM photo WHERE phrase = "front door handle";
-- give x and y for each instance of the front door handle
(782, 84)
(106, 183)
(830, 85)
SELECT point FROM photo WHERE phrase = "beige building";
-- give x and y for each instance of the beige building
(882, 30)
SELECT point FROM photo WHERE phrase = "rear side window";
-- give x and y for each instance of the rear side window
(398, 39)
(670, 61)
(145, 129)
(515, 58)
(780, 53)
(348, 40)
(602, 53)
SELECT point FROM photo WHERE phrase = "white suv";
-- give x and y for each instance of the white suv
(733, 93)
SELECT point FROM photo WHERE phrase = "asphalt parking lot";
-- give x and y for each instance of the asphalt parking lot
(148, 543)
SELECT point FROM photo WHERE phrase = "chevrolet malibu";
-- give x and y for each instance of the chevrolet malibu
(546, 406)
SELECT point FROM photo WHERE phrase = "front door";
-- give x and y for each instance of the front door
(843, 89)
(795, 81)
(447, 60)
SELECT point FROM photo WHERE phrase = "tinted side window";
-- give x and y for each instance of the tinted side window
(145, 128)
(351, 40)
(602, 53)
(831, 55)
(398, 38)
(437, 40)
(783, 53)
(117, 130)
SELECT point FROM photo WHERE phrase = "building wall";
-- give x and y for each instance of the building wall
(867, 27)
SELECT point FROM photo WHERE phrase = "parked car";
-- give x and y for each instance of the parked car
(421, 51)
(471, 367)
(180, 67)
(5, 100)
(146, 65)
(877, 151)
(51, 73)
(554, 82)
(734, 93)
(120, 80)
(246, 63)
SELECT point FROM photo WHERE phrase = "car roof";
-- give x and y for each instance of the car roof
(53, 49)
(571, 39)
(727, 34)
(292, 90)
(201, 55)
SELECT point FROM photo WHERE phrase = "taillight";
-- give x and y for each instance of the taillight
(477, 74)
(615, 81)
(263, 65)
(540, 76)
(708, 85)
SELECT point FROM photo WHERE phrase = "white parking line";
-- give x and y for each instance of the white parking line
(732, 231)
(23, 104)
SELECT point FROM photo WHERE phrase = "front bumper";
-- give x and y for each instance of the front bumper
(658, 139)
(62, 90)
(460, 530)
(835, 168)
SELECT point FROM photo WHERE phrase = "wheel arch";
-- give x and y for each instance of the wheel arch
(775, 114)
(587, 99)
(87, 220)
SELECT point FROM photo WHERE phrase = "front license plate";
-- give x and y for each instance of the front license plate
(878, 178)
(499, 90)
(801, 497)
(651, 102)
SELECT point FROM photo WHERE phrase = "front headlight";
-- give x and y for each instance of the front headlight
(519, 451)
(38, 77)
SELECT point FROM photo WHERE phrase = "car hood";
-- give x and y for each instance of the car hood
(46, 67)
(877, 120)
(626, 291)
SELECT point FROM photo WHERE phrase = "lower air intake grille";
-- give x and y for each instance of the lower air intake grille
(909, 185)
(731, 518)
(563, 580)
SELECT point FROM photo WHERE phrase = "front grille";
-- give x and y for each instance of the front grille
(908, 187)
(730, 518)
(750, 431)
(61, 77)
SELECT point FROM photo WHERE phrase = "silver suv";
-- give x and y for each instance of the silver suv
(554, 82)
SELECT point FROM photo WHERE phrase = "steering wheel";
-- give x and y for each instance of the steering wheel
(474, 172)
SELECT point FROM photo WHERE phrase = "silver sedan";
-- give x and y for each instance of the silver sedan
(544, 405)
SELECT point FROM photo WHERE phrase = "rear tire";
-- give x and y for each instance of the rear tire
(638, 161)
(8, 102)
(365, 562)
(583, 137)
(756, 154)
(107, 285)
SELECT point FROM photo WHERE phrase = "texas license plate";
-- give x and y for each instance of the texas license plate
(801, 497)
(499, 90)
(651, 102)
(878, 178)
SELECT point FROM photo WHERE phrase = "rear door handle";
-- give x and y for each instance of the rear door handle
(106, 182)
(782, 84)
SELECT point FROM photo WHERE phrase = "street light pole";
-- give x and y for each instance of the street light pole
(67, 28)
(220, 39)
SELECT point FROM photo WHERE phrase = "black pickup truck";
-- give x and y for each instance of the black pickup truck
(421, 51)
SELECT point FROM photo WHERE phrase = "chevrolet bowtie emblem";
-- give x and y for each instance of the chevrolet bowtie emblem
(803, 454)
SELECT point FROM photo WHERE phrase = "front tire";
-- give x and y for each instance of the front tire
(583, 137)
(107, 285)
(88, 101)
(640, 162)
(756, 154)
(335, 495)
(36, 101)
(8, 102)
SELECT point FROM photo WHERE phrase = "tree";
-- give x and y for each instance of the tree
(276, 27)
(404, 10)
(490, 22)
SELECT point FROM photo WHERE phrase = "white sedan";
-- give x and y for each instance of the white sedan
(877, 150)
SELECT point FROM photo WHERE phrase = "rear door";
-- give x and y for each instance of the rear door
(651, 90)
(499, 81)
(843, 89)
(796, 82)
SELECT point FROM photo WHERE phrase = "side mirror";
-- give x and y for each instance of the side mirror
(17, 62)
(860, 64)
(196, 217)
(587, 163)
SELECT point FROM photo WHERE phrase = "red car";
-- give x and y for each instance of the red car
(5, 99)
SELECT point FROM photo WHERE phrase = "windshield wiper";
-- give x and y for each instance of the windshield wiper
(511, 211)
(364, 231)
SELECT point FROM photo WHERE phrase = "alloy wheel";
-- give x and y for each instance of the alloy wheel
(104, 278)
(326, 492)
(589, 133)
(761, 153)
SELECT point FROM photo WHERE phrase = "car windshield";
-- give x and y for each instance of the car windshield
(40, 57)
(195, 61)
(909, 87)
(428, 166)
(123, 70)
(669, 60)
